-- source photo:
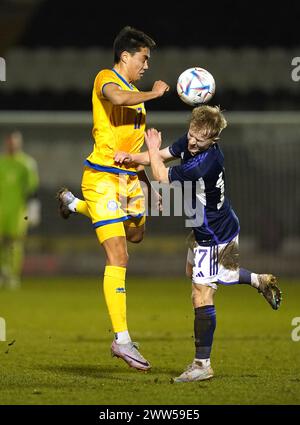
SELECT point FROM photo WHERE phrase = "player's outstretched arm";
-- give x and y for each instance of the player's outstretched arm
(159, 170)
(120, 97)
(127, 158)
(141, 158)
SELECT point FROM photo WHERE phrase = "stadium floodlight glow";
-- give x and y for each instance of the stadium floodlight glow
(2, 69)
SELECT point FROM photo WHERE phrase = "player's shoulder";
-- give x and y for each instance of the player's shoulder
(213, 151)
(212, 154)
(30, 161)
(216, 151)
(106, 71)
(213, 158)
(105, 74)
(25, 160)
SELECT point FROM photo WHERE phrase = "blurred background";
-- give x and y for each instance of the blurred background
(54, 49)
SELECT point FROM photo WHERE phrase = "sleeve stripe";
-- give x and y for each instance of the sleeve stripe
(173, 153)
(110, 82)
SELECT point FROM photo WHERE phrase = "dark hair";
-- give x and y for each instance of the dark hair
(131, 40)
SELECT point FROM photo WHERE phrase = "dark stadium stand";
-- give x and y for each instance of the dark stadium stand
(229, 23)
(234, 26)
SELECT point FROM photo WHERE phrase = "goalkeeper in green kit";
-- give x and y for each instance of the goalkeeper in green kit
(18, 207)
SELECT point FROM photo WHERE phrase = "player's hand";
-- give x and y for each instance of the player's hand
(160, 87)
(34, 212)
(123, 158)
(153, 138)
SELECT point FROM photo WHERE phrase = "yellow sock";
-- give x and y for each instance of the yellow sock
(115, 296)
(81, 208)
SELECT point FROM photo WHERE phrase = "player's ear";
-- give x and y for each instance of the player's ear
(124, 57)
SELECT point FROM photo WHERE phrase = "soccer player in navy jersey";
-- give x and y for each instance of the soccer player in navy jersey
(213, 256)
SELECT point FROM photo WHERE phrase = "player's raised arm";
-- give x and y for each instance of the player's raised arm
(159, 170)
(141, 158)
(120, 97)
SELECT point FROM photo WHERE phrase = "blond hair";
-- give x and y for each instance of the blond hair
(210, 119)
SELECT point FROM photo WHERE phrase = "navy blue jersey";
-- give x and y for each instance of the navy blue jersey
(209, 211)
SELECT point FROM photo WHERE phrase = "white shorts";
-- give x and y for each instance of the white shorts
(215, 264)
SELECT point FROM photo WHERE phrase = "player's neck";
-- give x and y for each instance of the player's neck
(122, 71)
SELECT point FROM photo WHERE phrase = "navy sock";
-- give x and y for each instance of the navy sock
(245, 276)
(204, 327)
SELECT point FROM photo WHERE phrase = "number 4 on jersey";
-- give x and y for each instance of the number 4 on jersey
(221, 185)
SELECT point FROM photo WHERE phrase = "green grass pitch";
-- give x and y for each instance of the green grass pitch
(58, 345)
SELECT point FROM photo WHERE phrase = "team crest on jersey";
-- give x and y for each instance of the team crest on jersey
(112, 205)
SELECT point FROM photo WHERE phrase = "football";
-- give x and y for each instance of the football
(196, 86)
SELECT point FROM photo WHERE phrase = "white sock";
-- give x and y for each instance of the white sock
(73, 204)
(205, 362)
(254, 280)
(122, 337)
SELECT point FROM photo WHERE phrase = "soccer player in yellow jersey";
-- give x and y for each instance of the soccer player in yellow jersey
(113, 197)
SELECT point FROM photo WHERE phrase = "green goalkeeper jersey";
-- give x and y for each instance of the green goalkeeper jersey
(18, 181)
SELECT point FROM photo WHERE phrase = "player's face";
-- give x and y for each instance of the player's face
(13, 143)
(137, 63)
(198, 141)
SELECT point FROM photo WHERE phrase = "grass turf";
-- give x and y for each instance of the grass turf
(58, 345)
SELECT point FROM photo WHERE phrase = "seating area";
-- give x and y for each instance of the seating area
(53, 53)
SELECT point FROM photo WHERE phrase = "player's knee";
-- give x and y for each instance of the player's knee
(188, 270)
(135, 237)
(118, 260)
(188, 273)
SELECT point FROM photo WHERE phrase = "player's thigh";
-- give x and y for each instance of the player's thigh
(216, 264)
(135, 201)
(202, 295)
(189, 263)
(100, 191)
(116, 251)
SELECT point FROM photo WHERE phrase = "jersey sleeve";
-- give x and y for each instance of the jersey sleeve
(105, 77)
(179, 146)
(178, 173)
(192, 170)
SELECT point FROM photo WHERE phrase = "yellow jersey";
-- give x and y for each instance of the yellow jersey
(116, 128)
